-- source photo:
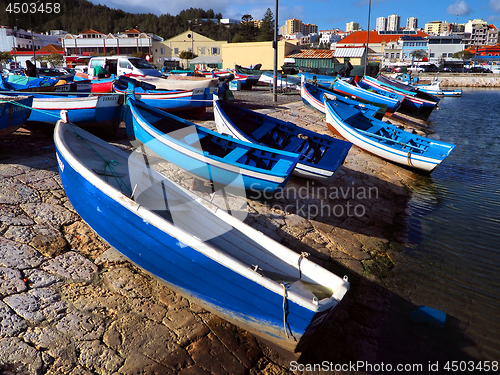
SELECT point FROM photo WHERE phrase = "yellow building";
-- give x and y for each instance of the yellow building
(170, 50)
(247, 54)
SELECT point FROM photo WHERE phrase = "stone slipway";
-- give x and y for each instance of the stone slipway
(69, 304)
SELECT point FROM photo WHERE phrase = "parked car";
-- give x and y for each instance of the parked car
(478, 69)
(416, 69)
(431, 68)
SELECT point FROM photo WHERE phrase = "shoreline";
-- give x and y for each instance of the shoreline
(72, 304)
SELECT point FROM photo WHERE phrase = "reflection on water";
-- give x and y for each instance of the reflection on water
(454, 219)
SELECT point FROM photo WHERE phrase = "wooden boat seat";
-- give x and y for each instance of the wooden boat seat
(262, 131)
(192, 138)
(235, 154)
(292, 146)
(281, 166)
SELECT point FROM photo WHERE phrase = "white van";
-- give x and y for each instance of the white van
(120, 65)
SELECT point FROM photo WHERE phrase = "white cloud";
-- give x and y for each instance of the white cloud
(461, 8)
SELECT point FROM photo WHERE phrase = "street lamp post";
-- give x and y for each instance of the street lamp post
(275, 45)
(367, 36)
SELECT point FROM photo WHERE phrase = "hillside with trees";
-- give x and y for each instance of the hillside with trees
(79, 15)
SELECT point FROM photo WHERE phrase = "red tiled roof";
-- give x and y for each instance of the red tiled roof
(312, 54)
(51, 48)
(132, 31)
(359, 37)
(90, 31)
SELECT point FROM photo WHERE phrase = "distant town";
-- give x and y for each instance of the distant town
(388, 44)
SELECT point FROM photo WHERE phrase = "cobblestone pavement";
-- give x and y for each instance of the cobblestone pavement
(69, 304)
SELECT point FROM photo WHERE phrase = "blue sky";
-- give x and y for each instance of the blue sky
(327, 14)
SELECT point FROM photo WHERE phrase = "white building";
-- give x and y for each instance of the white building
(91, 41)
(393, 22)
(351, 26)
(412, 23)
(381, 24)
(21, 39)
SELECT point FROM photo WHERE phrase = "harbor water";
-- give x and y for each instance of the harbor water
(452, 260)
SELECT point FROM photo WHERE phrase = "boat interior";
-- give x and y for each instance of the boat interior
(134, 177)
(276, 135)
(210, 142)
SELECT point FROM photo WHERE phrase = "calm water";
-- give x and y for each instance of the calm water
(454, 221)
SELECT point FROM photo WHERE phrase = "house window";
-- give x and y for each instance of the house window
(162, 51)
(176, 51)
(215, 51)
(202, 50)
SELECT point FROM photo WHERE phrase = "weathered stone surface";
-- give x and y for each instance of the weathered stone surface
(110, 257)
(16, 255)
(37, 305)
(138, 363)
(209, 353)
(80, 237)
(95, 299)
(242, 344)
(9, 170)
(37, 278)
(17, 357)
(49, 246)
(36, 175)
(127, 283)
(186, 325)
(81, 326)
(55, 344)
(97, 357)
(44, 213)
(22, 234)
(13, 215)
(10, 323)
(12, 192)
(11, 281)
(130, 334)
(71, 266)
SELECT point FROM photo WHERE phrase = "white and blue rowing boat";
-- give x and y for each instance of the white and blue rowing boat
(206, 153)
(385, 140)
(193, 246)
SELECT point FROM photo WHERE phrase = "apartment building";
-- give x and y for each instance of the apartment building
(393, 22)
(351, 26)
(412, 23)
(381, 24)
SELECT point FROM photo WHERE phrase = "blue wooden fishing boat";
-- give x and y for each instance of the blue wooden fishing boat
(392, 101)
(187, 103)
(385, 140)
(416, 103)
(26, 85)
(434, 88)
(206, 153)
(320, 155)
(14, 111)
(315, 96)
(322, 79)
(193, 246)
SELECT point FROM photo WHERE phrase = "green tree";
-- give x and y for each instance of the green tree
(5, 57)
(464, 55)
(418, 54)
(247, 28)
(56, 60)
(187, 55)
(266, 31)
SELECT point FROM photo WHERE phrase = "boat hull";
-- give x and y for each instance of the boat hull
(322, 172)
(386, 148)
(14, 111)
(187, 264)
(205, 165)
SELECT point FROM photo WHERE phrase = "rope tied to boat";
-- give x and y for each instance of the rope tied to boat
(285, 310)
(302, 256)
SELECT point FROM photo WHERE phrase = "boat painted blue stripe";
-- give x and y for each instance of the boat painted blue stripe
(366, 139)
(211, 282)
